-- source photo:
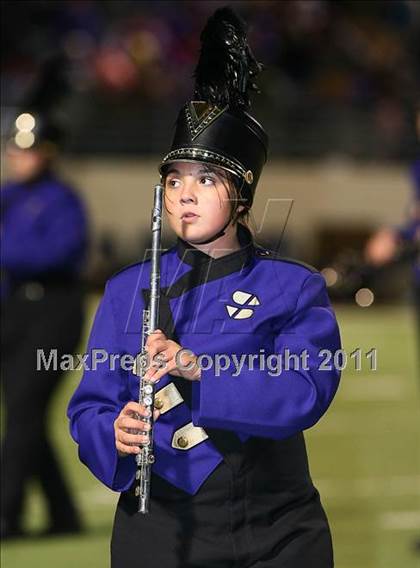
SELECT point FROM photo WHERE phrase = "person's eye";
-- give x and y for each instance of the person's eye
(207, 180)
(173, 183)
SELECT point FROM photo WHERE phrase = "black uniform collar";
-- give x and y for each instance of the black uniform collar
(206, 268)
(43, 176)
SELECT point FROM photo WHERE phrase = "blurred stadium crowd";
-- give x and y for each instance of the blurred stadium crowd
(339, 78)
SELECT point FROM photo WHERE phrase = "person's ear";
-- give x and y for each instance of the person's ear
(240, 208)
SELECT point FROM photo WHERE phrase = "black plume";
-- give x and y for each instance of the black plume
(227, 68)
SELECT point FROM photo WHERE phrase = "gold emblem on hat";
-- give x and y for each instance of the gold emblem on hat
(249, 177)
(200, 115)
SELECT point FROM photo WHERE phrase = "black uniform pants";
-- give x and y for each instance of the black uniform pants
(232, 522)
(35, 317)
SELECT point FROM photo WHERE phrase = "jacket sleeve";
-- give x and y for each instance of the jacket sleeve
(409, 231)
(97, 401)
(259, 404)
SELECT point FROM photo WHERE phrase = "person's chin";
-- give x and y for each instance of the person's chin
(194, 234)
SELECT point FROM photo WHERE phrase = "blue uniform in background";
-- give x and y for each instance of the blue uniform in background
(231, 483)
(44, 240)
(43, 228)
(410, 236)
(410, 232)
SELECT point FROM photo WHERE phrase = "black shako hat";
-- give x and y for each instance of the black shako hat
(215, 127)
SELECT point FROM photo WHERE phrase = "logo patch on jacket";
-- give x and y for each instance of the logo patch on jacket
(243, 299)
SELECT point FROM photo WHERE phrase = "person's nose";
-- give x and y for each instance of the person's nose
(187, 194)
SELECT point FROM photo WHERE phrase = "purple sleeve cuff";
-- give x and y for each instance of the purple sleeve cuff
(98, 452)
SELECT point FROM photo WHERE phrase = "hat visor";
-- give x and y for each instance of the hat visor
(203, 156)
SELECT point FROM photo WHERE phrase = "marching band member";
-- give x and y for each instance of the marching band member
(231, 484)
(44, 241)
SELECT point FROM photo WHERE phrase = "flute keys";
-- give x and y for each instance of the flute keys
(148, 389)
(147, 401)
(137, 491)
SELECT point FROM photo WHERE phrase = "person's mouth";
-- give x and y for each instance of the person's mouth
(189, 215)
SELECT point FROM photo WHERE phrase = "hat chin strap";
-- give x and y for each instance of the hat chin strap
(216, 236)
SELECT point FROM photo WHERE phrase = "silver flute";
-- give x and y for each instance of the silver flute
(145, 457)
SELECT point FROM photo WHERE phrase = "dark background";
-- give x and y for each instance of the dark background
(339, 77)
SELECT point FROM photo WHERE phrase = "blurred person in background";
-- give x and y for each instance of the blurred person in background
(43, 245)
(388, 243)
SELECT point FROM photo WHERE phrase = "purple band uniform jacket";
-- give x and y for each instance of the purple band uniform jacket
(248, 302)
(44, 231)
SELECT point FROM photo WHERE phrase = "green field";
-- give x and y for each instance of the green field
(364, 455)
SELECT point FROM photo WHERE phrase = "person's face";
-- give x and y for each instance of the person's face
(23, 165)
(197, 201)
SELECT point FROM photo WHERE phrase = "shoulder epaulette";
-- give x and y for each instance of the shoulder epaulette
(268, 254)
(124, 268)
(137, 263)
